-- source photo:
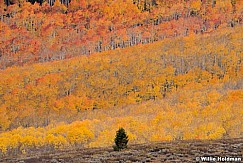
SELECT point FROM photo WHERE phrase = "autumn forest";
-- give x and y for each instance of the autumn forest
(73, 71)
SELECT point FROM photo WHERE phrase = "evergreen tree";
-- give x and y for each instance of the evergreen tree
(121, 140)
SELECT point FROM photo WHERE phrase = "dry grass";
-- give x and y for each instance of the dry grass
(175, 151)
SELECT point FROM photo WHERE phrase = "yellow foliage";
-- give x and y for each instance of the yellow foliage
(58, 142)
(213, 96)
(105, 138)
(28, 141)
(195, 5)
(217, 133)
(201, 107)
(79, 135)
(4, 144)
(4, 121)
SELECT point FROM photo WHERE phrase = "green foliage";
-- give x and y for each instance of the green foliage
(121, 140)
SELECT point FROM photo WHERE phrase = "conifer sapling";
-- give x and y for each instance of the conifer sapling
(121, 140)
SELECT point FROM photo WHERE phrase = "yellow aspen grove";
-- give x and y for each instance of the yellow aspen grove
(75, 72)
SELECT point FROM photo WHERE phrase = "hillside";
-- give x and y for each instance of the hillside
(183, 88)
(179, 151)
(56, 30)
(72, 72)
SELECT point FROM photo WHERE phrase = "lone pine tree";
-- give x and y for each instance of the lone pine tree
(121, 140)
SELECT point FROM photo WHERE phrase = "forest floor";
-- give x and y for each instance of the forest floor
(175, 151)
